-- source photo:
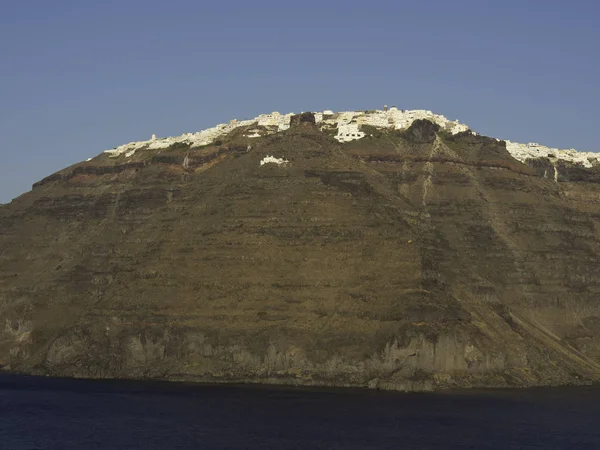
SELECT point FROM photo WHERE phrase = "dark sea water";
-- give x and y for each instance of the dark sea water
(75, 414)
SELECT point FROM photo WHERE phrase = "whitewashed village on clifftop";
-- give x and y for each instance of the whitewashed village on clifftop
(349, 125)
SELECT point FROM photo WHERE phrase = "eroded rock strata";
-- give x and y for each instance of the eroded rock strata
(408, 259)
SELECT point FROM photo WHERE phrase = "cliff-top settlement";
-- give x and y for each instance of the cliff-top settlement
(350, 125)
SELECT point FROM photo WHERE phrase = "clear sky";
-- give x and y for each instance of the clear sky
(81, 76)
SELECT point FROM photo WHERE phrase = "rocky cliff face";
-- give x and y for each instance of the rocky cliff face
(409, 259)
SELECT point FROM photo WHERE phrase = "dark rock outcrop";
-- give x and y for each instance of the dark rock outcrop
(306, 118)
(421, 131)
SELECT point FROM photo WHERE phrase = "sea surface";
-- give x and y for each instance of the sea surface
(40, 413)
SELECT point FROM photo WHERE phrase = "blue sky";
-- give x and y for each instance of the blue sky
(81, 76)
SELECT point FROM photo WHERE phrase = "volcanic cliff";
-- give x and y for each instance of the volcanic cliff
(390, 249)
